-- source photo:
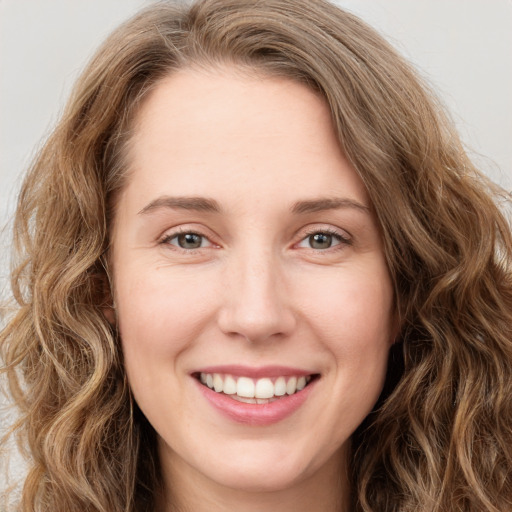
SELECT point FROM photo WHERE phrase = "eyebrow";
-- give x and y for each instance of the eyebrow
(203, 204)
(327, 203)
(198, 204)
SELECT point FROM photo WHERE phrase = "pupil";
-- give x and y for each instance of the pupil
(320, 241)
(189, 241)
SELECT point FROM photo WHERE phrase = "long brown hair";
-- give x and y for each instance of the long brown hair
(440, 438)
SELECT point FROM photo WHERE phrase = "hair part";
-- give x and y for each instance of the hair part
(440, 438)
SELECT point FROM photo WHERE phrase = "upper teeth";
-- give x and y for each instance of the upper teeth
(254, 388)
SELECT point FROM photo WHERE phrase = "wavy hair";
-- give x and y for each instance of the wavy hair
(440, 437)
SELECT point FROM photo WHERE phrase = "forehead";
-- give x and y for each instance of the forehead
(201, 130)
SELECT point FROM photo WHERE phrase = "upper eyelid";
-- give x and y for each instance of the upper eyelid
(170, 236)
(310, 230)
(170, 233)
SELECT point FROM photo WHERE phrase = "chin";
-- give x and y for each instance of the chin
(265, 468)
(259, 479)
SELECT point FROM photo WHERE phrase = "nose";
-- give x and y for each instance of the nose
(256, 305)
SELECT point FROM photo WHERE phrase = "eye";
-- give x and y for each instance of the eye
(322, 240)
(187, 240)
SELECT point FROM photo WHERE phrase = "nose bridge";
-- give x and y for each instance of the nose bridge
(255, 307)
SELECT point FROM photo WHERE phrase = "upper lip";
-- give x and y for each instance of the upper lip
(255, 372)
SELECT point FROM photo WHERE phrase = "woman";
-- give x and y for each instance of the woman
(257, 271)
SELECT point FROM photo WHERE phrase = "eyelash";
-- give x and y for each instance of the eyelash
(166, 240)
(343, 240)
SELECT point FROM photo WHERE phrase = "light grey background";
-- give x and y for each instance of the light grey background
(463, 47)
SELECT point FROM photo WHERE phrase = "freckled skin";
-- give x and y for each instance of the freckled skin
(256, 291)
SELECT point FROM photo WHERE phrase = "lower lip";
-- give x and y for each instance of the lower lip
(256, 414)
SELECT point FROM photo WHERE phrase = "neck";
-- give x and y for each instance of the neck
(187, 490)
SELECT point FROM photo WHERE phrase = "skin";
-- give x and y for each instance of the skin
(255, 293)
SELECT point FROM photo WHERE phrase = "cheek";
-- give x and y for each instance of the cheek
(354, 309)
(353, 315)
(157, 323)
(158, 316)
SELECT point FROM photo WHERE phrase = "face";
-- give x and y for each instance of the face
(252, 295)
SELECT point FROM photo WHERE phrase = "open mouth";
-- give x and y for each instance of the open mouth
(255, 391)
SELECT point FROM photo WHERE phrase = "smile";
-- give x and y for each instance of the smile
(254, 391)
(256, 396)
